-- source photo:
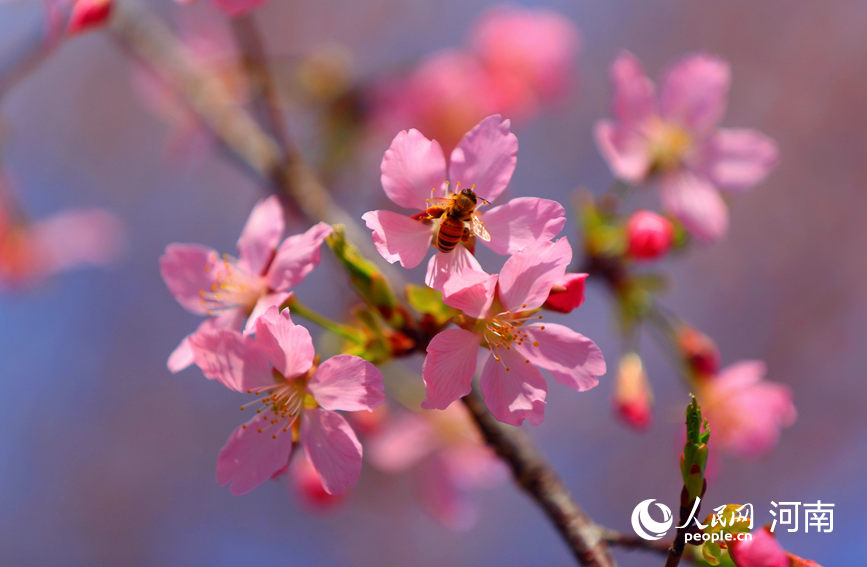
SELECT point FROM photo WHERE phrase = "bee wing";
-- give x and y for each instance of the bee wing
(478, 228)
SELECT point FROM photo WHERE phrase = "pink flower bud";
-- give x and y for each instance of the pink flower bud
(567, 294)
(699, 352)
(88, 14)
(632, 395)
(649, 234)
(761, 551)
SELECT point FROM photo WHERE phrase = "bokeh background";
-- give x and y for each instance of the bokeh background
(106, 459)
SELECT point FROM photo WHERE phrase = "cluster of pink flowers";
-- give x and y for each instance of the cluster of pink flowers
(497, 309)
(516, 60)
(250, 345)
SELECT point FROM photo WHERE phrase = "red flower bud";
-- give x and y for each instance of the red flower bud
(88, 14)
(699, 352)
(567, 294)
(649, 235)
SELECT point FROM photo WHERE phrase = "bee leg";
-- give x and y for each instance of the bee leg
(465, 236)
(435, 212)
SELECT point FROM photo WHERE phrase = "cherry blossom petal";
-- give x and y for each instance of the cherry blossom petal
(349, 383)
(486, 158)
(189, 269)
(297, 256)
(472, 292)
(406, 440)
(449, 367)
(78, 237)
(634, 99)
(694, 92)
(287, 346)
(444, 497)
(695, 203)
(742, 374)
(252, 455)
(231, 358)
(183, 355)
(332, 447)
(263, 304)
(399, 238)
(411, 167)
(739, 158)
(513, 389)
(567, 294)
(261, 235)
(523, 222)
(570, 357)
(527, 277)
(626, 151)
(444, 265)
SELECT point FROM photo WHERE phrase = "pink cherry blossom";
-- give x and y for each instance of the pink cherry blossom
(499, 308)
(414, 172)
(746, 412)
(32, 251)
(762, 550)
(673, 136)
(299, 402)
(446, 456)
(229, 290)
(529, 55)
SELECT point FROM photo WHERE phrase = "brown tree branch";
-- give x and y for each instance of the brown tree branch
(147, 39)
(533, 474)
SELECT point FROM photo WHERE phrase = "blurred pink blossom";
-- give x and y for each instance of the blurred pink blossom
(229, 290)
(633, 397)
(746, 412)
(529, 55)
(443, 97)
(762, 550)
(414, 176)
(299, 402)
(513, 388)
(447, 456)
(673, 136)
(32, 251)
(516, 60)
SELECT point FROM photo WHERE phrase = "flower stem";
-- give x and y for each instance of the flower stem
(345, 331)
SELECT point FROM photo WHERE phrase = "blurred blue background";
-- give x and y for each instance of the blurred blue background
(107, 459)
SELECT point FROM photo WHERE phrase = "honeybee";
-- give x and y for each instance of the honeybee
(459, 220)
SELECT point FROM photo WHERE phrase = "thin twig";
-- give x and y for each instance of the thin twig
(255, 61)
(150, 41)
(533, 473)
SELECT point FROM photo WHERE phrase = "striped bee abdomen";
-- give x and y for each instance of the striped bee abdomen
(449, 234)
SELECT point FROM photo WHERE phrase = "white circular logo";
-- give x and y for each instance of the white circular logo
(645, 526)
